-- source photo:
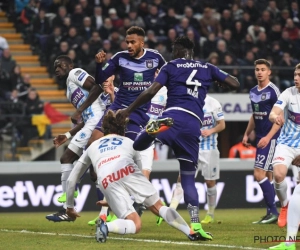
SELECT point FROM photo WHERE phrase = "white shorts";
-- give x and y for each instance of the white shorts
(118, 193)
(284, 155)
(82, 137)
(208, 163)
(147, 156)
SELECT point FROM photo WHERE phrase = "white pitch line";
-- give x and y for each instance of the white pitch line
(131, 239)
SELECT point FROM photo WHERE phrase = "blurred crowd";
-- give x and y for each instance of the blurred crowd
(230, 34)
(19, 101)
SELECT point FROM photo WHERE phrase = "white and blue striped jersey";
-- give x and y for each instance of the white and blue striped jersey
(212, 113)
(158, 103)
(77, 94)
(289, 102)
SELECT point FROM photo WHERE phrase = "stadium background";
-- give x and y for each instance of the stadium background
(230, 34)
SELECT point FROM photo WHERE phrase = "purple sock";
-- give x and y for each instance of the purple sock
(143, 141)
(187, 174)
(268, 192)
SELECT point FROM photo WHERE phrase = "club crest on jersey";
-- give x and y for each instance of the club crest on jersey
(149, 64)
(82, 135)
(263, 96)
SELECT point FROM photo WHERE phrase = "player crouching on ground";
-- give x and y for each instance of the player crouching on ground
(118, 168)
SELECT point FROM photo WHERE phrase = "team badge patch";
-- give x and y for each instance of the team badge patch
(81, 76)
(263, 96)
(82, 135)
(149, 64)
(77, 73)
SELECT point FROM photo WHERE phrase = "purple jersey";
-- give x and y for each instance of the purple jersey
(262, 101)
(136, 75)
(187, 82)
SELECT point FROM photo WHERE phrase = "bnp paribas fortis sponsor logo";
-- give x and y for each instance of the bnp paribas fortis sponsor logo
(138, 77)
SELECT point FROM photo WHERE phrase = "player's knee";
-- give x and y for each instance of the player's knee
(259, 174)
(210, 183)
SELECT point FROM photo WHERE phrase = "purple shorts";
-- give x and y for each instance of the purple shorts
(137, 121)
(264, 156)
(183, 136)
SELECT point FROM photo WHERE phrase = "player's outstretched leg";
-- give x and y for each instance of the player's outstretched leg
(157, 126)
(59, 216)
(101, 230)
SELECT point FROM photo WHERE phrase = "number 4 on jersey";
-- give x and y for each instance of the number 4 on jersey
(195, 82)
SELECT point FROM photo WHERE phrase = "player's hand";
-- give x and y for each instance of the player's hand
(76, 117)
(108, 88)
(263, 142)
(205, 133)
(100, 57)
(245, 141)
(279, 120)
(72, 213)
(122, 114)
(59, 140)
(102, 203)
(296, 161)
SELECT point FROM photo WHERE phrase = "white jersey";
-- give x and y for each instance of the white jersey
(105, 98)
(289, 102)
(111, 153)
(212, 113)
(158, 103)
(77, 94)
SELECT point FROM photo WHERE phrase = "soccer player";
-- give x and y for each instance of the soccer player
(288, 143)
(118, 166)
(80, 85)
(263, 96)
(293, 216)
(136, 68)
(187, 82)
(209, 156)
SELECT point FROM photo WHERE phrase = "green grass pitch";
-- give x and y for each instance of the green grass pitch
(233, 229)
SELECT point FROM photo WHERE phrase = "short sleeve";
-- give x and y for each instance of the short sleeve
(163, 75)
(218, 111)
(78, 76)
(216, 73)
(283, 99)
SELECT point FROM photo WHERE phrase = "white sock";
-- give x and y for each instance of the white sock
(293, 216)
(121, 226)
(176, 196)
(281, 189)
(211, 200)
(174, 219)
(66, 169)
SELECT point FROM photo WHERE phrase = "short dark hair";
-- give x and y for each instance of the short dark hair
(113, 124)
(184, 42)
(262, 61)
(65, 58)
(136, 30)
